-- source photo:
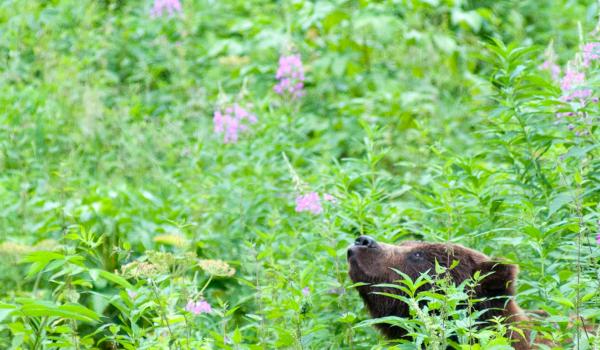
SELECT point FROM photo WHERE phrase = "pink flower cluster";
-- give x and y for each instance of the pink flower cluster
(198, 307)
(572, 85)
(161, 6)
(311, 202)
(590, 52)
(230, 122)
(234, 120)
(572, 79)
(291, 76)
(598, 238)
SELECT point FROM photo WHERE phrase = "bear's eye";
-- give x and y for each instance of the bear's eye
(416, 256)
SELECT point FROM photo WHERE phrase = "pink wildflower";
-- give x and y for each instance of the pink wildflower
(230, 122)
(306, 291)
(591, 52)
(162, 6)
(309, 202)
(598, 238)
(132, 294)
(572, 86)
(572, 79)
(291, 76)
(198, 307)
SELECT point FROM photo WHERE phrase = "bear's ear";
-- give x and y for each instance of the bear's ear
(500, 278)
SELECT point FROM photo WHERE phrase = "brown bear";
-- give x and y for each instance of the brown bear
(373, 263)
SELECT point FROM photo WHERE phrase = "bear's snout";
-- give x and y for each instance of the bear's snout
(361, 242)
(365, 241)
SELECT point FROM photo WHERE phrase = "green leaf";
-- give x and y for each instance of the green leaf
(559, 201)
(564, 302)
(348, 317)
(35, 308)
(237, 336)
(116, 279)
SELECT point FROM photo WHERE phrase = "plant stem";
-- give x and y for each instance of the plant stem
(38, 332)
(163, 311)
(206, 284)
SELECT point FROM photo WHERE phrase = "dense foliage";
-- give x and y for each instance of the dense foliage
(189, 175)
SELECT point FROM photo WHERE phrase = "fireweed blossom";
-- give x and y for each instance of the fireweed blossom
(290, 76)
(309, 202)
(198, 307)
(232, 121)
(572, 85)
(590, 53)
(161, 6)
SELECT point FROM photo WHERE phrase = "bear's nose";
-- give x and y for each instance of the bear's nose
(365, 241)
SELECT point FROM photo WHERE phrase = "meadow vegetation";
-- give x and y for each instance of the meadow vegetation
(189, 175)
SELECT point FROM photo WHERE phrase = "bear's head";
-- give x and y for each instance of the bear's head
(373, 263)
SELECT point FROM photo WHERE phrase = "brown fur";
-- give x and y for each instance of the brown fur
(373, 265)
